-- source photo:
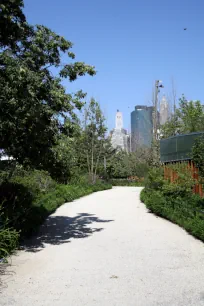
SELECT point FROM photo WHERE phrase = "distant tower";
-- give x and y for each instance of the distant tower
(118, 120)
(164, 110)
(119, 136)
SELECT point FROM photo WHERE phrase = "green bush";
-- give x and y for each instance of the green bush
(16, 201)
(183, 182)
(36, 181)
(155, 179)
(8, 241)
(175, 202)
(198, 155)
(80, 179)
(8, 236)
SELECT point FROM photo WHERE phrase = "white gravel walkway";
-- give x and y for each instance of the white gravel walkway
(107, 250)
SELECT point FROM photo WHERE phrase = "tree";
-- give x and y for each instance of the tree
(172, 127)
(35, 109)
(13, 26)
(64, 159)
(140, 161)
(93, 140)
(191, 115)
(119, 165)
(123, 164)
(188, 118)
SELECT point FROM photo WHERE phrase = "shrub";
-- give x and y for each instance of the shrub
(8, 240)
(175, 202)
(154, 201)
(155, 179)
(8, 236)
(182, 184)
(198, 154)
(36, 181)
(80, 179)
(16, 202)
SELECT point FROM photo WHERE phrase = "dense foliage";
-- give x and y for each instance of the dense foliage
(198, 155)
(175, 201)
(35, 107)
(123, 164)
(188, 118)
(13, 26)
(94, 145)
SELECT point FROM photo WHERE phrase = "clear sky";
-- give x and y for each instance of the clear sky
(131, 43)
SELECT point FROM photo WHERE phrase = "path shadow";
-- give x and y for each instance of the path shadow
(61, 229)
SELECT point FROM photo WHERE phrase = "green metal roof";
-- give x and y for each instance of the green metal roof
(178, 148)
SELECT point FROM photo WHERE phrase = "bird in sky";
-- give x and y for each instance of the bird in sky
(185, 29)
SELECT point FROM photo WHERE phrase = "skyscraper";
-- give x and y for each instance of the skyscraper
(164, 110)
(119, 136)
(141, 126)
(118, 120)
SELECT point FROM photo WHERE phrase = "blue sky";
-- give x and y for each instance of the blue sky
(131, 43)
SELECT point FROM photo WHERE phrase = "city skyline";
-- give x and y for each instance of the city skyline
(141, 123)
(141, 131)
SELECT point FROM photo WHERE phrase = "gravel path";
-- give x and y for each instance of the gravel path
(107, 250)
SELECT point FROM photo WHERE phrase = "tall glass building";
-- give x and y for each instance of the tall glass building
(141, 126)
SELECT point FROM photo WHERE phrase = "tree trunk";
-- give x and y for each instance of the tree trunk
(96, 167)
(92, 160)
